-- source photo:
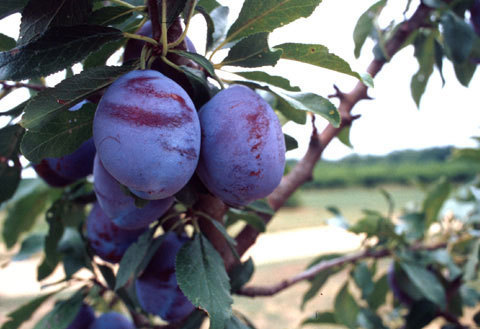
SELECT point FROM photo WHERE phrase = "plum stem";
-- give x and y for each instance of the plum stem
(164, 29)
(184, 33)
(143, 57)
(140, 37)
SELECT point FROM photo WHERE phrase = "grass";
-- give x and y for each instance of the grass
(350, 201)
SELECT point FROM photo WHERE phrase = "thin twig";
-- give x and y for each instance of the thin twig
(263, 291)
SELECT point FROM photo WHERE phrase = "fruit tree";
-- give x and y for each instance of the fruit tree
(144, 155)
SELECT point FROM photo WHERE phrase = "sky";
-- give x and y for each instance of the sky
(448, 115)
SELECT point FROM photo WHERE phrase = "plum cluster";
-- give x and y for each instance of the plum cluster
(148, 142)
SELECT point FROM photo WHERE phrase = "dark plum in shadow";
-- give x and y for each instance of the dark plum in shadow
(106, 239)
(112, 320)
(157, 288)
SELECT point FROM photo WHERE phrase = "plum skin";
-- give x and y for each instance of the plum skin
(242, 155)
(106, 239)
(112, 320)
(65, 170)
(147, 134)
(157, 288)
(84, 318)
(120, 207)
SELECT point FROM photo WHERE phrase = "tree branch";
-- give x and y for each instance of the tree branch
(263, 291)
(154, 17)
(303, 171)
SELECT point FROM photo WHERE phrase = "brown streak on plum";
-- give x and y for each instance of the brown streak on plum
(141, 117)
(255, 173)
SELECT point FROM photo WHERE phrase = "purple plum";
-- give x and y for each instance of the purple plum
(242, 156)
(119, 206)
(65, 170)
(106, 239)
(147, 134)
(112, 320)
(157, 288)
(84, 318)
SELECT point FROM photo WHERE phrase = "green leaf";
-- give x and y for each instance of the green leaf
(24, 312)
(202, 278)
(379, 293)
(22, 214)
(62, 135)
(317, 55)
(290, 142)
(252, 51)
(8, 7)
(363, 279)
(261, 206)
(458, 36)
(30, 246)
(54, 216)
(56, 49)
(365, 24)
(465, 72)
(62, 314)
(425, 54)
(344, 136)
(100, 57)
(199, 59)
(198, 81)
(421, 313)
(273, 80)
(251, 218)
(48, 103)
(374, 224)
(109, 276)
(439, 59)
(309, 102)
(6, 43)
(240, 274)
(217, 27)
(133, 257)
(208, 5)
(471, 266)
(110, 15)
(10, 167)
(369, 320)
(265, 16)
(235, 323)
(436, 197)
(346, 309)
(230, 241)
(426, 282)
(174, 8)
(316, 284)
(39, 15)
(320, 318)
(74, 253)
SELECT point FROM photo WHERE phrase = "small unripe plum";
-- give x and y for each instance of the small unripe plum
(106, 239)
(157, 288)
(242, 156)
(112, 320)
(147, 134)
(119, 206)
(83, 319)
(65, 170)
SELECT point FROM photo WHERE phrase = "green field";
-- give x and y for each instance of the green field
(350, 201)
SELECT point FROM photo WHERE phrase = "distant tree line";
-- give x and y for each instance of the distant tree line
(400, 167)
